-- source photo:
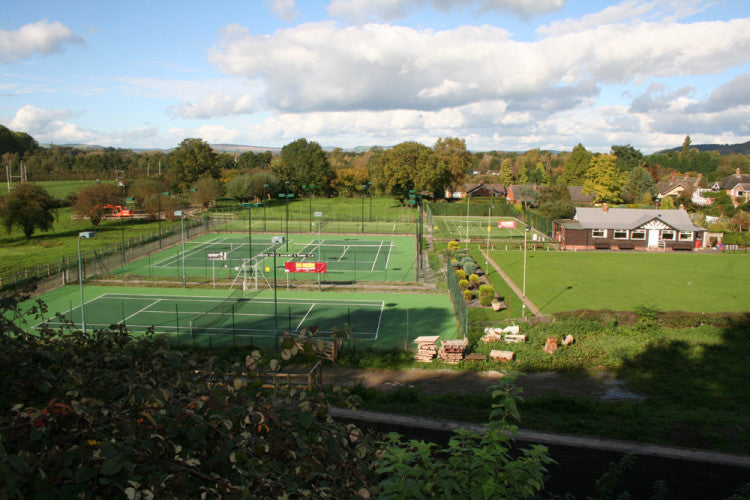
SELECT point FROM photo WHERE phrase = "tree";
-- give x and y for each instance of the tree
(350, 179)
(28, 207)
(639, 183)
(207, 191)
(452, 153)
(146, 193)
(604, 179)
(400, 167)
(685, 151)
(506, 172)
(741, 221)
(576, 165)
(190, 161)
(305, 163)
(92, 201)
(627, 157)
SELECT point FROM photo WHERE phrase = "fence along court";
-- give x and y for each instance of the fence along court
(255, 318)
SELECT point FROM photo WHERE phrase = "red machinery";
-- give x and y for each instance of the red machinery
(118, 211)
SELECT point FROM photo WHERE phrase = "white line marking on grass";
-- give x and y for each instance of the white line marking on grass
(299, 325)
(141, 310)
(375, 260)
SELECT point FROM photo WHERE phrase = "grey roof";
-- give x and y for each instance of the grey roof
(578, 196)
(631, 218)
(730, 181)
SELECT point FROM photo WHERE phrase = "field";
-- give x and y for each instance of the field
(197, 315)
(561, 281)
(476, 228)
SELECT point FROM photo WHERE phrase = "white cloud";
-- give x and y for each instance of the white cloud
(42, 37)
(33, 120)
(284, 9)
(214, 105)
(323, 66)
(359, 11)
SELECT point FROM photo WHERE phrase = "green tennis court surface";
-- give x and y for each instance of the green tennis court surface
(475, 227)
(227, 255)
(384, 320)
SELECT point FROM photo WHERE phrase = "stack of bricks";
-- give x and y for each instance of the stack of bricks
(452, 351)
(426, 348)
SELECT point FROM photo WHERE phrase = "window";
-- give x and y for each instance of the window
(667, 235)
(686, 236)
(621, 234)
(638, 234)
(599, 233)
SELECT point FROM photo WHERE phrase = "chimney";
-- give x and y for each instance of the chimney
(674, 176)
(738, 171)
(605, 208)
(682, 207)
(698, 180)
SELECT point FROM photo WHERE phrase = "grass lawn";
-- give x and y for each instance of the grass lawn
(563, 281)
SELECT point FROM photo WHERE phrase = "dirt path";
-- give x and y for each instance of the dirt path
(602, 386)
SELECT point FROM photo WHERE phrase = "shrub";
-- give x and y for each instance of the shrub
(486, 294)
(453, 245)
(464, 284)
(474, 280)
(461, 274)
(468, 295)
(470, 267)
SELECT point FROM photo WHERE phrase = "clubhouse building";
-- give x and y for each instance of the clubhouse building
(607, 228)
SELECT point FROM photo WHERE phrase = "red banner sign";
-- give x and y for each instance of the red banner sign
(506, 224)
(305, 267)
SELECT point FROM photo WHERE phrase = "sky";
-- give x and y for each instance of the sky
(508, 75)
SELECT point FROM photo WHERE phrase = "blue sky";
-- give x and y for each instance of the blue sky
(501, 74)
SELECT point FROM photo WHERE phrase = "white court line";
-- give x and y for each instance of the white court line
(346, 249)
(299, 325)
(141, 310)
(375, 260)
(380, 319)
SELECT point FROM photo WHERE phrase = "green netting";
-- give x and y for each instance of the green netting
(476, 207)
(457, 298)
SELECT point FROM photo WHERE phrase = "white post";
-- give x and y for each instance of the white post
(468, 201)
(523, 301)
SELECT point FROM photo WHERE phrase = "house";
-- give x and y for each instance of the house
(628, 229)
(473, 189)
(578, 197)
(675, 187)
(737, 186)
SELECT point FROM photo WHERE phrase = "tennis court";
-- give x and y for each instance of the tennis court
(199, 315)
(475, 227)
(227, 255)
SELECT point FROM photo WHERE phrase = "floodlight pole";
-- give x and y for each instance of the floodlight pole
(249, 230)
(264, 206)
(369, 195)
(82, 234)
(486, 256)
(275, 241)
(468, 202)
(523, 302)
(362, 218)
(319, 215)
(181, 215)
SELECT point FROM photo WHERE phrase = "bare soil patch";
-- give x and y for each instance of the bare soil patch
(468, 382)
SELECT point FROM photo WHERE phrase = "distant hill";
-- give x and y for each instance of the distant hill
(723, 149)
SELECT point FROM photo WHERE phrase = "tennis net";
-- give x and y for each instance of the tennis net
(214, 319)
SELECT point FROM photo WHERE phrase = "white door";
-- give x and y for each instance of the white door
(653, 238)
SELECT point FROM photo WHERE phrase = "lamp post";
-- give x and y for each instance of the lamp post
(489, 227)
(249, 226)
(468, 202)
(369, 195)
(158, 197)
(82, 234)
(181, 215)
(523, 291)
(287, 195)
(276, 240)
(319, 216)
(310, 187)
(362, 218)
(122, 235)
(264, 206)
